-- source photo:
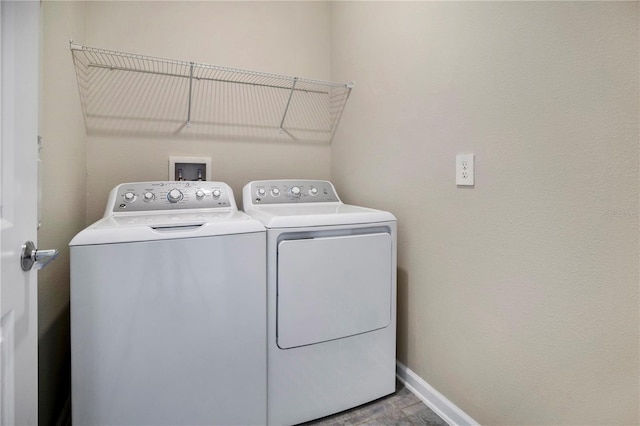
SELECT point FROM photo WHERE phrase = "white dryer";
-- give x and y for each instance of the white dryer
(167, 320)
(331, 292)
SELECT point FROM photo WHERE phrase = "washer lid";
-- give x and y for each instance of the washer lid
(325, 214)
(164, 226)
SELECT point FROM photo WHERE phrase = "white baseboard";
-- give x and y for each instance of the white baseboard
(447, 410)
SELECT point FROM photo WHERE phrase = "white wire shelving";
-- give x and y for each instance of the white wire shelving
(125, 93)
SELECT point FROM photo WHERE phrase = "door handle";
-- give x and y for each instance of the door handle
(31, 255)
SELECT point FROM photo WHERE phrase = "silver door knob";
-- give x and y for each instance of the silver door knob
(31, 255)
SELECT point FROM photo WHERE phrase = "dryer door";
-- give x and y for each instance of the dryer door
(333, 287)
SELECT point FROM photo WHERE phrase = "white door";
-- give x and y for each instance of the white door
(19, 75)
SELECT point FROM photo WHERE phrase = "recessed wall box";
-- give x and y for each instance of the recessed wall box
(189, 168)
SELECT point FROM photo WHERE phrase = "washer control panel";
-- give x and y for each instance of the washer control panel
(170, 195)
(291, 191)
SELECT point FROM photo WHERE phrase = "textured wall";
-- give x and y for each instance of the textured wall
(518, 298)
(63, 168)
(290, 38)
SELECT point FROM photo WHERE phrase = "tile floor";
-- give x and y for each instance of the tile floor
(401, 408)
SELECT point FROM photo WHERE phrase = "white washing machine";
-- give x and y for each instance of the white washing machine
(168, 296)
(331, 299)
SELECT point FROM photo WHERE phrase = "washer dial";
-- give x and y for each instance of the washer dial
(174, 196)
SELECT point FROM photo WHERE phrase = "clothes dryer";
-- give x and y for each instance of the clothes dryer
(331, 294)
(167, 320)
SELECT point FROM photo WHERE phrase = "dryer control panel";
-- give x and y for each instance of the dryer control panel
(290, 191)
(169, 195)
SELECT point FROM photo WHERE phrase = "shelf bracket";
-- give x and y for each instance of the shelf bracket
(74, 46)
(286, 109)
(191, 64)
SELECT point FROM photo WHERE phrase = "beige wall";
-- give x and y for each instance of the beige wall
(290, 38)
(63, 168)
(518, 298)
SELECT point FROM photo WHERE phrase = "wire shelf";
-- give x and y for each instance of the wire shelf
(124, 93)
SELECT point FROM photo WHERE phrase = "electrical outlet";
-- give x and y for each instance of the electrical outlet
(464, 169)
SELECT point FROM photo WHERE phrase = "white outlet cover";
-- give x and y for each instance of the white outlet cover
(465, 169)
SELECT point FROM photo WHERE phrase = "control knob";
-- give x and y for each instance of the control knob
(216, 193)
(174, 196)
(261, 192)
(148, 196)
(129, 197)
(295, 191)
(275, 192)
(313, 191)
(199, 194)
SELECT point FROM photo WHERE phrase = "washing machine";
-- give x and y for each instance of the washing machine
(168, 296)
(331, 299)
